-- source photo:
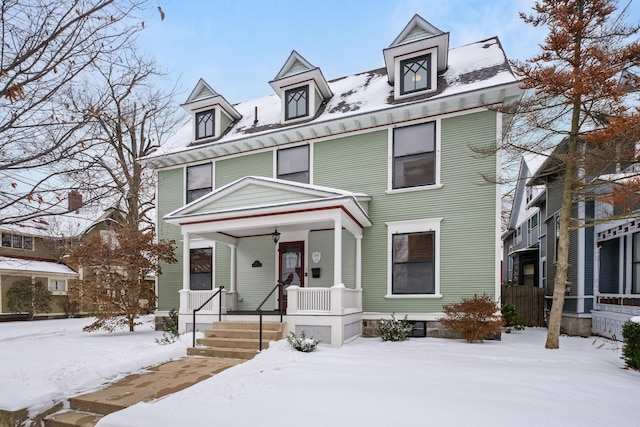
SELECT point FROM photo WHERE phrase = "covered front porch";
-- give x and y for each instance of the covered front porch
(263, 232)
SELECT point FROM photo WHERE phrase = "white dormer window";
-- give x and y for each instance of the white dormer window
(297, 103)
(416, 74)
(205, 121)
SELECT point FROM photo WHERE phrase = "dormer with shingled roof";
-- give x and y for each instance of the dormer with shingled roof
(415, 58)
(301, 87)
(211, 114)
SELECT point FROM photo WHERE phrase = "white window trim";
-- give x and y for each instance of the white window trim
(275, 159)
(438, 182)
(413, 226)
(58, 292)
(398, 73)
(185, 171)
(312, 91)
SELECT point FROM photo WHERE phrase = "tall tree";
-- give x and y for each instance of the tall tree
(45, 47)
(129, 118)
(576, 99)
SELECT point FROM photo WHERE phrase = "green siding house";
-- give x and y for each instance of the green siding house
(361, 196)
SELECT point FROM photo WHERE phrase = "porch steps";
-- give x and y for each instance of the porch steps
(236, 340)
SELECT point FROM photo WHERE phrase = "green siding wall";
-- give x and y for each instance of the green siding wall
(170, 197)
(254, 283)
(229, 170)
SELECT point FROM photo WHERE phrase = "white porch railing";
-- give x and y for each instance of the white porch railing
(190, 300)
(336, 300)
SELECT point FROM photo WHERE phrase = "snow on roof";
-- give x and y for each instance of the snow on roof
(27, 265)
(471, 67)
(57, 226)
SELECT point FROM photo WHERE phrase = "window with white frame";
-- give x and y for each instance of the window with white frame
(205, 121)
(199, 181)
(293, 164)
(414, 258)
(17, 241)
(57, 285)
(201, 269)
(635, 264)
(414, 155)
(296, 103)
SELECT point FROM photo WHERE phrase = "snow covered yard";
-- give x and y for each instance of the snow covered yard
(420, 382)
(46, 361)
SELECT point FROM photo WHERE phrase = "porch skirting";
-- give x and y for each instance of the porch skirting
(331, 330)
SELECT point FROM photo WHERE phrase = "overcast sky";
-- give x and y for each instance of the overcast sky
(238, 46)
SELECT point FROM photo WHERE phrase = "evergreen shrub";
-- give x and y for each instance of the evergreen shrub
(511, 318)
(302, 343)
(631, 347)
(394, 329)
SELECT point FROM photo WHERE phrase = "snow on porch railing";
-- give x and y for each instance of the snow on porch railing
(336, 300)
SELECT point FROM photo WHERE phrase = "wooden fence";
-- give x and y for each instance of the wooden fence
(529, 302)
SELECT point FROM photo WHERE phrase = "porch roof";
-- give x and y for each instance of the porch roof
(253, 206)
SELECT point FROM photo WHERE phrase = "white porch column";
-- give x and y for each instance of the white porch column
(358, 261)
(184, 292)
(232, 270)
(337, 252)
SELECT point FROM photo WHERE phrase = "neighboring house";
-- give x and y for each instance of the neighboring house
(33, 251)
(367, 184)
(523, 261)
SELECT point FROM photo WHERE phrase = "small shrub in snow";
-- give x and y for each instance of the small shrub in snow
(302, 343)
(170, 334)
(511, 318)
(631, 347)
(473, 318)
(394, 329)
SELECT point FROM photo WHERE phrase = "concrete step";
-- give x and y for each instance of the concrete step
(269, 335)
(272, 326)
(226, 352)
(70, 418)
(232, 342)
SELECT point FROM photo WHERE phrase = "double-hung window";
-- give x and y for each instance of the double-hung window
(414, 155)
(200, 269)
(293, 164)
(414, 258)
(57, 285)
(296, 102)
(205, 124)
(416, 74)
(199, 181)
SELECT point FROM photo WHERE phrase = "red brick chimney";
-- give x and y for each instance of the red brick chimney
(75, 201)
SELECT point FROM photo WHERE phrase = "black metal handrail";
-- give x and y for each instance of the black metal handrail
(200, 308)
(280, 305)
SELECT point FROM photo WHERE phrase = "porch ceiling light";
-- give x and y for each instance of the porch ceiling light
(275, 236)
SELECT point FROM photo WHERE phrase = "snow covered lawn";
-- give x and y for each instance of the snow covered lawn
(420, 382)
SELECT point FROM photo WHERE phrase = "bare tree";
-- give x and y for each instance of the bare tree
(575, 112)
(129, 118)
(45, 47)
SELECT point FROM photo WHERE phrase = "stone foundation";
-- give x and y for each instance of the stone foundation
(434, 330)
(576, 326)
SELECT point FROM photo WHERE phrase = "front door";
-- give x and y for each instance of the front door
(291, 268)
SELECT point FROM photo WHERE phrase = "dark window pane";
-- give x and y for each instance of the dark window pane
(204, 124)
(293, 164)
(6, 240)
(414, 155)
(27, 242)
(200, 268)
(17, 241)
(296, 102)
(415, 74)
(199, 181)
(413, 263)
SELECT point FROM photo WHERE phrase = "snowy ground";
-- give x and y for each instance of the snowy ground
(420, 382)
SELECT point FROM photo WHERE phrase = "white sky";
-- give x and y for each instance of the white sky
(238, 46)
(420, 382)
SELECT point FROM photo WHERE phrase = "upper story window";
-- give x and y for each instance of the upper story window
(414, 155)
(109, 238)
(199, 181)
(416, 74)
(529, 194)
(293, 164)
(205, 124)
(296, 102)
(17, 241)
